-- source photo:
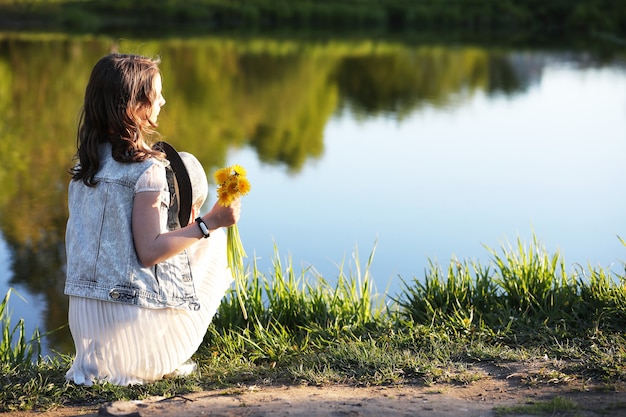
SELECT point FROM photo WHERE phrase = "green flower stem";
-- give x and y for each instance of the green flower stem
(236, 253)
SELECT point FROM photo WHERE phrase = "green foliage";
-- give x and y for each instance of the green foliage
(15, 349)
(288, 301)
(479, 16)
(522, 288)
(522, 306)
(38, 386)
(41, 386)
(536, 285)
(553, 406)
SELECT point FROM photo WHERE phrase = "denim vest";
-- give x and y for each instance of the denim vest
(101, 259)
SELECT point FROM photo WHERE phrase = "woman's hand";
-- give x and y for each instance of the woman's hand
(221, 216)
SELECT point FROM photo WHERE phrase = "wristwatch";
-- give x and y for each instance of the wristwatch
(203, 227)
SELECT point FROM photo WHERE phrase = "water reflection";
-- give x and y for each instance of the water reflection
(274, 98)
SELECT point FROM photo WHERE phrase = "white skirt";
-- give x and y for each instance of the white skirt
(126, 344)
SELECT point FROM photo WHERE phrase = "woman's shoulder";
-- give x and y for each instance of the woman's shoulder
(153, 177)
(160, 162)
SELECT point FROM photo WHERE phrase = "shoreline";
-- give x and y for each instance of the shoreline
(500, 391)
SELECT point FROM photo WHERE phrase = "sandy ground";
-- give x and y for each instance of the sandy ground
(495, 394)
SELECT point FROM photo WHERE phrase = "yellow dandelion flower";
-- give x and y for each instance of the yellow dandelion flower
(239, 170)
(244, 186)
(222, 175)
(224, 198)
(232, 187)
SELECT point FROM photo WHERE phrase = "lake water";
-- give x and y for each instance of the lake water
(443, 182)
(432, 174)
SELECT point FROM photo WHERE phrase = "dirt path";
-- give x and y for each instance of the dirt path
(490, 396)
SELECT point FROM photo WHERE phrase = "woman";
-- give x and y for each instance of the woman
(138, 305)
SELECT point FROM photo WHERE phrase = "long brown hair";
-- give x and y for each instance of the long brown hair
(118, 99)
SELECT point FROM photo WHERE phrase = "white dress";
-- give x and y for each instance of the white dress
(126, 344)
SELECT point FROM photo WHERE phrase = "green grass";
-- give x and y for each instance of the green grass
(542, 408)
(15, 349)
(522, 288)
(523, 305)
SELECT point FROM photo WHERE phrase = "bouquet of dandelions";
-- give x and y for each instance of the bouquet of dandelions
(231, 184)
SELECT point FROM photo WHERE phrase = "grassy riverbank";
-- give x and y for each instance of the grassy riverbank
(523, 305)
(562, 17)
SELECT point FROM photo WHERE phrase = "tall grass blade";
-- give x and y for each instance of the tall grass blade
(15, 349)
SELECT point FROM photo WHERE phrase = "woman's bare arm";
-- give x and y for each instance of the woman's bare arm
(152, 246)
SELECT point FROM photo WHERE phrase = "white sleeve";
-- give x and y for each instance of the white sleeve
(153, 179)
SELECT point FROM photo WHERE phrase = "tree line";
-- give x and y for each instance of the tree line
(563, 18)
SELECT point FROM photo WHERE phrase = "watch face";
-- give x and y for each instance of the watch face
(203, 227)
